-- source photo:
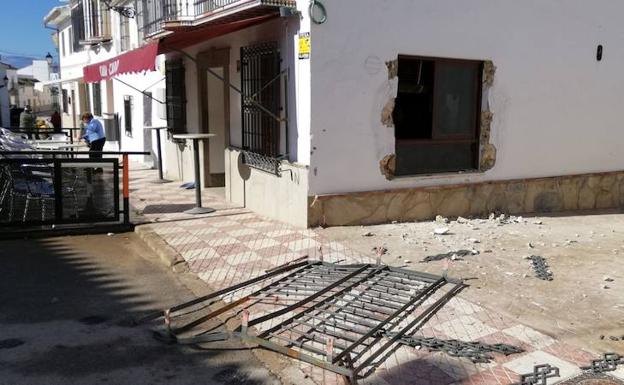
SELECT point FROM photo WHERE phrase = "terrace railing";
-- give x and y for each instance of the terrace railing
(160, 15)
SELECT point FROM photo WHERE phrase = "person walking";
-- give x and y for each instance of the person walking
(27, 121)
(93, 134)
(56, 121)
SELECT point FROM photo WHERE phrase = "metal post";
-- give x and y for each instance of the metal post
(161, 178)
(198, 209)
(160, 169)
(126, 189)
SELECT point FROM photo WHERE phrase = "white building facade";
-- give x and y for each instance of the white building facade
(366, 112)
(90, 33)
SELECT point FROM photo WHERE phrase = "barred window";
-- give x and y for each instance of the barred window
(260, 99)
(78, 26)
(176, 96)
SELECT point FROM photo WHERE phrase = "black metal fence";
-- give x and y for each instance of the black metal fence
(59, 191)
(54, 187)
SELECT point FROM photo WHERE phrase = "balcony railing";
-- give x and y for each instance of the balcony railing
(160, 15)
(91, 23)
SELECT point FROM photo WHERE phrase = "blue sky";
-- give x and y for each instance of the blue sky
(21, 27)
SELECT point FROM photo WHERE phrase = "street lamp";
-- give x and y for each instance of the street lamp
(49, 59)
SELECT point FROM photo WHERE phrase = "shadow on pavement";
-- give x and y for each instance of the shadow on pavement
(66, 303)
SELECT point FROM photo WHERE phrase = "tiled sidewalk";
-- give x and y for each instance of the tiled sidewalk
(234, 244)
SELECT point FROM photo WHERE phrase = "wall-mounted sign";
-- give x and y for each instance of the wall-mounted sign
(304, 45)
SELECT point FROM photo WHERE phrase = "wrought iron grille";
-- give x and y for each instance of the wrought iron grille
(262, 162)
(344, 318)
(153, 13)
(78, 26)
(260, 81)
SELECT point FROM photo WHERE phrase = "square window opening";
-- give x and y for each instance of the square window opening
(436, 115)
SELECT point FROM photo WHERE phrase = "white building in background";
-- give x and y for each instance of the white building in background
(5, 83)
(90, 33)
(397, 110)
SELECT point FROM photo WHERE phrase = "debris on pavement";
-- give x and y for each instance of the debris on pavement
(441, 231)
(541, 268)
(380, 250)
(477, 352)
(441, 219)
(449, 255)
(540, 375)
(607, 363)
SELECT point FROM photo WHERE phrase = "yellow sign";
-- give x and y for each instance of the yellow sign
(304, 45)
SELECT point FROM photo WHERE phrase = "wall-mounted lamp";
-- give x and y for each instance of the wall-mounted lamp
(5, 82)
(49, 58)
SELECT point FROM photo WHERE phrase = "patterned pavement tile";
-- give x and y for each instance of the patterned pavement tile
(530, 336)
(465, 328)
(526, 363)
(234, 244)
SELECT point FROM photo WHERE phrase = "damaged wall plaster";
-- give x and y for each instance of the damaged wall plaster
(393, 68)
(487, 158)
(489, 69)
(388, 166)
(387, 112)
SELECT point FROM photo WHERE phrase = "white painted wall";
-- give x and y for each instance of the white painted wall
(556, 109)
(5, 117)
(284, 30)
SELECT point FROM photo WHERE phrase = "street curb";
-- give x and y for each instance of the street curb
(166, 254)
(285, 370)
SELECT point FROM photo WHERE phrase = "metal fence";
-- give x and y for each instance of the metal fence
(154, 13)
(46, 191)
(55, 187)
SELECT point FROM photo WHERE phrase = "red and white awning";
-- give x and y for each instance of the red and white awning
(138, 60)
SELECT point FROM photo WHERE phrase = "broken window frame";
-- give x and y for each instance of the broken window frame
(437, 138)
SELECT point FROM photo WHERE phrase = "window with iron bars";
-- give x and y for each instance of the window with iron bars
(96, 89)
(261, 99)
(78, 26)
(124, 34)
(175, 96)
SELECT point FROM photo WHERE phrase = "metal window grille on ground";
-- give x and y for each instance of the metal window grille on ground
(344, 318)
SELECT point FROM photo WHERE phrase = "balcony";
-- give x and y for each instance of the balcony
(159, 16)
(91, 23)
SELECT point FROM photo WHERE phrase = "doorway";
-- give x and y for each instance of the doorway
(214, 103)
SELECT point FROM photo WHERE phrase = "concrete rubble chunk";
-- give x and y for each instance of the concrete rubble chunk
(441, 230)
(441, 219)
